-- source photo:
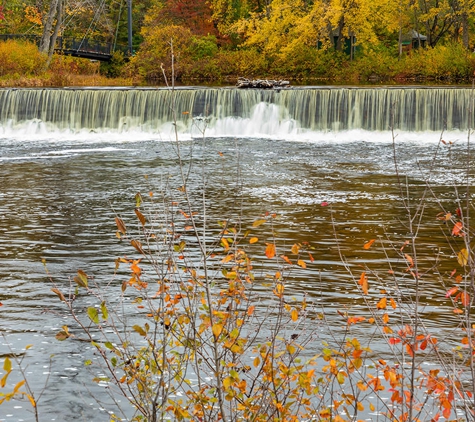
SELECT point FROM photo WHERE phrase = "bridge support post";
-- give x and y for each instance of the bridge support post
(129, 26)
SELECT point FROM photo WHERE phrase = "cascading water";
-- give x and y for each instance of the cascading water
(70, 159)
(229, 112)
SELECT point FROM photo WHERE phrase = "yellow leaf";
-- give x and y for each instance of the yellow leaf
(295, 249)
(302, 263)
(227, 382)
(257, 223)
(225, 243)
(18, 386)
(341, 377)
(217, 329)
(371, 407)
(32, 400)
(294, 315)
(256, 362)
(462, 257)
(7, 364)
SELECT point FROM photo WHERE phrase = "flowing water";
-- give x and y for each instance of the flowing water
(321, 158)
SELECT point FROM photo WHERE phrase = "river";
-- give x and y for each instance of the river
(71, 159)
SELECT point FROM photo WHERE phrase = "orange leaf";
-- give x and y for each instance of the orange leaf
(368, 245)
(458, 311)
(363, 282)
(250, 310)
(409, 260)
(393, 303)
(382, 303)
(270, 250)
(286, 259)
(253, 240)
(457, 230)
(302, 263)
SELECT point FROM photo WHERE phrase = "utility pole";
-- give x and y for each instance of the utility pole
(129, 26)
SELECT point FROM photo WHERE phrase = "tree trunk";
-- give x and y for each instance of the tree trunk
(45, 42)
(57, 27)
(465, 39)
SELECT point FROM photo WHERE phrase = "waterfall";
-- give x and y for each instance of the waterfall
(232, 112)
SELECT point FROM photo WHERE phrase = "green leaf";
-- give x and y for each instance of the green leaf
(81, 279)
(62, 335)
(109, 345)
(105, 313)
(88, 362)
(139, 330)
(93, 315)
(138, 200)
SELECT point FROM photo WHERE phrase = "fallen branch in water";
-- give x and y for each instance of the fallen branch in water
(261, 83)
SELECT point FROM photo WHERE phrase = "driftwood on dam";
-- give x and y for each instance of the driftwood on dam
(261, 83)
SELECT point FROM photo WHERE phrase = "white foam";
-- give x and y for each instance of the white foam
(265, 121)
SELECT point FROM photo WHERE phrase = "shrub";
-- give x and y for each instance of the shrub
(113, 68)
(21, 58)
(450, 61)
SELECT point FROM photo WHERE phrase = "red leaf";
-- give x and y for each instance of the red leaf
(457, 230)
(465, 299)
(451, 291)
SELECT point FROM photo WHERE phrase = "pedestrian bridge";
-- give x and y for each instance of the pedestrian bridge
(87, 48)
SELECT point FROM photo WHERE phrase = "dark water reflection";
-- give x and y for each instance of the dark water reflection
(57, 201)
